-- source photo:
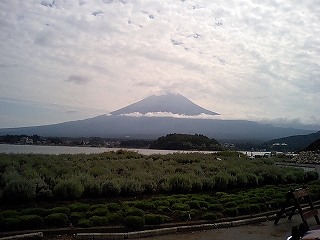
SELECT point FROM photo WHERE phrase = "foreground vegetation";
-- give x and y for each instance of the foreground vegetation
(169, 188)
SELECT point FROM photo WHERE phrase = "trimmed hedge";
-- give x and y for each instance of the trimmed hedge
(64, 210)
(42, 212)
(98, 221)
(31, 222)
(209, 216)
(135, 222)
(154, 219)
(56, 219)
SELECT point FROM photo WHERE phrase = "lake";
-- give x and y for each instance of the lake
(10, 148)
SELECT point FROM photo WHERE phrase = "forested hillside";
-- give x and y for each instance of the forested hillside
(186, 142)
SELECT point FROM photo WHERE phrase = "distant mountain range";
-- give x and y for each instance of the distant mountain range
(291, 143)
(121, 123)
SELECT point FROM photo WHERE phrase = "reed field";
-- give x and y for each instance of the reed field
(129, 189)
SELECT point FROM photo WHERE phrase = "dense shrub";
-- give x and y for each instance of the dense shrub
(18, 191)
(193, 204)
(68, 189)
(115, 218)
(180, 183)
(64, 210)
(135, 222)
(9, 224)
(163, 209)
(79, 207)
(134, 212)
(254, 208)
(91, 189)
(30, 222)
(114, 207)
(209, 216)
(98, 221)
(243, 209)
(215, 207)
(9, 214)
(181, 206)
(76, 216)
(56, 219)
(34, 211)
(84, 223)
(145, 205)
(154, 219)
(110, 188)
(231, 212)
(131, 187)
(101, 211)
(230, 204)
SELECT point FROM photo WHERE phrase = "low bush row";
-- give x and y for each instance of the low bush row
(153, 210)
(29, 177)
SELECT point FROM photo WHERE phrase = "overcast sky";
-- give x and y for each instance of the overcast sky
(68, 60)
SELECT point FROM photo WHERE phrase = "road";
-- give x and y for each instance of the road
(261, 231)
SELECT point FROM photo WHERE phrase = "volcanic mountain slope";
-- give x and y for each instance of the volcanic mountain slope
(120, 123)
(168, 103)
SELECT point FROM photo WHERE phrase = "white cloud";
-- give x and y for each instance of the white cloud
(172, 115)
(248, 59)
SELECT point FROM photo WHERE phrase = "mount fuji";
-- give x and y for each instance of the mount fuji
(166, 103)
(141, 120)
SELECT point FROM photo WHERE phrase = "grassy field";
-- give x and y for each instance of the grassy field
(127, 188)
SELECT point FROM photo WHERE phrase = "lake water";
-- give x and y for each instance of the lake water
(10, 148)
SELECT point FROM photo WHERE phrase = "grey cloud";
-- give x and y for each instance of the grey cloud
(78, 79)
(233, 48)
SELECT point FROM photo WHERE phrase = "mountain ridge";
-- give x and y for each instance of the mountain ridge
(118, 124)
(168, 102)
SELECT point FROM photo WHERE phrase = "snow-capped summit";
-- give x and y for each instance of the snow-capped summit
(166, 102)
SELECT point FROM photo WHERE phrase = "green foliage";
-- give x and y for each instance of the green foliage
(75, 217)
(193, 204)
(154, 219)
(9, 214)
(231, 204)
(215, 207)
(84, 223)
(243, 209)
(101, 211)
(9, 224)
(19, 190)
(68, 189)
(231, 212)
(186, 142)
(181, 207)
(56, 219)
(64, 210)
(34, 211)
(79, 207)
(134, 212)
(114, 207)
(180, 183)
(209, 216)
(145, 205)
(48, 177)
(131, 187)
(111, 188)
(98, 221)
(254, 208)
(115, 218)
(135, 222)
(31, 222)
